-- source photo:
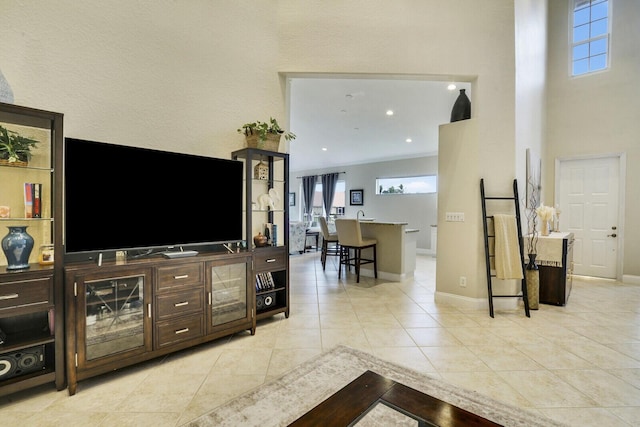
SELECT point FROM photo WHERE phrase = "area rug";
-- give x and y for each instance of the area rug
(283, 400)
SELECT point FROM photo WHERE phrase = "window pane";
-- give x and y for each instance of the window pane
(580, 67)
(599, 28)
(590, 49)
(581, 17)
(580, 33)
(599, 11)
(407, 185)
(598, 47)
(581, 51)
(598, 62)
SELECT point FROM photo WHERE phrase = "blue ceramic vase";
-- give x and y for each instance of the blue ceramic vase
(17, 246)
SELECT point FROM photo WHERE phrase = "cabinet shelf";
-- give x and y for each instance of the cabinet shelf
(26, 219)
(268, 291)
(32, 331)
(273, 260)
(28, 168)
(15, 342)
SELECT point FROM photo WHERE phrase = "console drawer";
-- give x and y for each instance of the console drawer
(26, 293)
(270, 259)
(180, 303)
(173, 331)
(179, 275)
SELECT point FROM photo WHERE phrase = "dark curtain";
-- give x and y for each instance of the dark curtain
(308, 188)
(329, 182)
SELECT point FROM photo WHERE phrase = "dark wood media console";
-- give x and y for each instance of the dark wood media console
(119, 314)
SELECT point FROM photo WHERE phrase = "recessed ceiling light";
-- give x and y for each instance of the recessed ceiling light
(324, 148)
(408, 140)
(349, 96)
(389, 112)
(451, 87)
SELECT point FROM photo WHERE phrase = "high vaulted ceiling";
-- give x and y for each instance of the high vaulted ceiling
(344, 121)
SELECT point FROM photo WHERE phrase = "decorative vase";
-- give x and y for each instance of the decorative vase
(260, 240)
(532, 274)
(544, 228)
(461, 108)
(17, 246)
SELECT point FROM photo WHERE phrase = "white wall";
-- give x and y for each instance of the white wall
(531, 66)
(598, 114)
(180, 76)
(184, 75)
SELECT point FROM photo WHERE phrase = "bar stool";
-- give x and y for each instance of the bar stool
(330, 245)
(350, 237)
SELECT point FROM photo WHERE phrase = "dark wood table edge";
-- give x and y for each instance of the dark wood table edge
(356, 398)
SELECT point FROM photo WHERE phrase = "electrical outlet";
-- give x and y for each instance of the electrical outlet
(454, 216)
(463, 282)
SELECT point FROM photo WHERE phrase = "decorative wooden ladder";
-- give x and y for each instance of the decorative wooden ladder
(489, 256)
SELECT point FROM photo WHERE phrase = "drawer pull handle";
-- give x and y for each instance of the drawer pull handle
(182, 331)
(271, 260)
(10, 296)
(183, 276)
(180, 304)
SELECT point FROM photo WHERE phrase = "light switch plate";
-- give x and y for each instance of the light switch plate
(454, 217)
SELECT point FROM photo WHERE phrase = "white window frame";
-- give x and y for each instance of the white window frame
(589, 41)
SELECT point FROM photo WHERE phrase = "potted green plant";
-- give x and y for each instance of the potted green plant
(265, 135)
(15, 149)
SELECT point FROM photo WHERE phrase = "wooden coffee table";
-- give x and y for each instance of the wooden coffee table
(347, 406)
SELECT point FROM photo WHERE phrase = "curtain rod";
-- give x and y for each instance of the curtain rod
(318, 175)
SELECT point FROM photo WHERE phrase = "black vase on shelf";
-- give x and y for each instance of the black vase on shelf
(17, 246)
(461, 108)
(532, 274)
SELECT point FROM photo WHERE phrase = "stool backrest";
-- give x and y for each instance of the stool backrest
(324, 228)
(349, 233)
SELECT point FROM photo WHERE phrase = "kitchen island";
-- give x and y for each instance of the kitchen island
(396, 249)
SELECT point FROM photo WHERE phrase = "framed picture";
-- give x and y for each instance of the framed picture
(356, 197)
(292, 199)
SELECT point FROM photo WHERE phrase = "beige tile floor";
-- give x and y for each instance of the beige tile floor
(579, 364)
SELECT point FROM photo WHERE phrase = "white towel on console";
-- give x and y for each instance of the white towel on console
(507, 248)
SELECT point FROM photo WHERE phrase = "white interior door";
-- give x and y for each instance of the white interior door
(589, 202)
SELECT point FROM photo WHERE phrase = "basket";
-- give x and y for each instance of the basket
(271, 143)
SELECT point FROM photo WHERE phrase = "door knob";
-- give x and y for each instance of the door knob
(612, 235)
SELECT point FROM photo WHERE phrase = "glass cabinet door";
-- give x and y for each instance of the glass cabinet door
(228, 294)
(113, 316)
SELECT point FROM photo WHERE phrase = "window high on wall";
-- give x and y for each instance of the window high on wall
(590, 38)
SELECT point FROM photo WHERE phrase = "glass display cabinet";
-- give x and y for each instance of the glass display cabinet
(266, 226)
(31, 289)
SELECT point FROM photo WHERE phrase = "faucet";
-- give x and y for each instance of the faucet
(358, 214)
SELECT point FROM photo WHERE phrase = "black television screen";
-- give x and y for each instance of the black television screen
(126, 198)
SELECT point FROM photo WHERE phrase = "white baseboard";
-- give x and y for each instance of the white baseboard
(467, 303)
(630, 279)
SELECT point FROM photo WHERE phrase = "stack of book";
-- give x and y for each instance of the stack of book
(264, 282)
(32, 200)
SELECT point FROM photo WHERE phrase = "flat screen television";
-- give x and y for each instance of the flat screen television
(144, 200)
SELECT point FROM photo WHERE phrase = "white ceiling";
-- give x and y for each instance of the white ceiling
(347, 116)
